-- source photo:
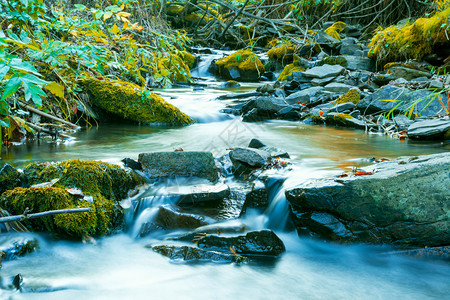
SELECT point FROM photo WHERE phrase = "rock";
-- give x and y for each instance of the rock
(169, 217)
(358, 63)
(345, 120)
(275, 152)
(338, 87)
(436, 84)
(343, 107)
(242, 65)
(303, 96)
(267, 106)
(181, 163)
(14, 245)
(402, 122)
(289, 113)
(327, 42)
(429, 129)
(263, 242)
(249, 156)
(405, 202)
(131, 163)
(117, 99)
(407, 73)
(257, 198)
(350, 48)
(255, 143)
(198, 193)
(324, 71)
(191, 254)
(234, 96)
(252, 116)
(322, 81)
(230, 84)
(9, 178)
(266, 88)
(403, 98)
(300, 78)
(383, 79)
(229, 227)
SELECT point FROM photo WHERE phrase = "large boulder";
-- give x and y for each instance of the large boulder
(263, 242)
(401, 100)
(242, 65)
(405, 201)
(180, 163)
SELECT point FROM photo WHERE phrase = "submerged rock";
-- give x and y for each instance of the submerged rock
(229, 227)
(182, 163)
(405, 202)
(263, 242)
(9, 178)
(198, 193)
(16, 245)
(191, 254)
(129, 101)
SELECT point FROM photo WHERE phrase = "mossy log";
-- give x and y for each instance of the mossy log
(132, 102)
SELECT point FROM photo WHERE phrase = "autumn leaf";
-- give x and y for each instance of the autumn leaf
(56, 89)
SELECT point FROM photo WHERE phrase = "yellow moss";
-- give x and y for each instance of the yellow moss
(172, 66)
(243, 60)
(174, 9)
(288, 70)
(414, 40)
(106, 183)
(353, 95)
(283, 53)
(132, 102)
(53, 198)
(188, 59)
(335, 29)
(333, 60)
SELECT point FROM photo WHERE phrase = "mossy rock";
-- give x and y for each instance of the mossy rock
(333, 60)
(52, 198)
(106, 183)
(188, 59)
(282, 53)
(243, 65)
(132, 102)
(353, 95)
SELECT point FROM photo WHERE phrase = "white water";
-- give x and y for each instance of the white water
(120, 267)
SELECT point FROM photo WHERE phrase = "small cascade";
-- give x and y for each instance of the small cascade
(202, 70)
(278, 211)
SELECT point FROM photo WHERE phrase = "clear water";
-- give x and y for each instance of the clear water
(120, 267)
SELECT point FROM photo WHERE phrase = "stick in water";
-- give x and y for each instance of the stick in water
(25, 215)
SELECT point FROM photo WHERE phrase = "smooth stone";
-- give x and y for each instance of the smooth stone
(249, 156)
(338, 87)
(407, 73)
(198, 193)
(324, 71)
(191, 254)
(429, 129)
(303, 96)
(342, 107)
(256, 143)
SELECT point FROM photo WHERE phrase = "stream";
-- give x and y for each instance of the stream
(120, 267)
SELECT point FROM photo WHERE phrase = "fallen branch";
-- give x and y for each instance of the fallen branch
(43, 114)
(26, 216)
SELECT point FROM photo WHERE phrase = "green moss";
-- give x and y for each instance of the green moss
(188, 59)
(132, 102)
(51, 198)
(106, 183)
(333, 60)
(243, 60)
(353, 95)
(288, 70)
(283, 53)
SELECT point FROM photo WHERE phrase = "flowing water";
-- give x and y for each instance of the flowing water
(120, 267)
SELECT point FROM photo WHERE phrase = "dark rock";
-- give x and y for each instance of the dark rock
(345, 120)
(402, 122)
(383, 79)
(275, 152)
(131, 163)
(324, 71)
(327, 42)
(255, 143)
(280, 93)
(169, 217)
(322, 81)
(289, 113)
(9, 178)
(266, 88)
(263, 242)
(249, 156)
(267, 106)
(257, 198)
(357, 63)
(252, 116)
(233, 96)
(429, 129)
(182, 163)
(228, 227)
(405, 202)
(350, 48)
(407, 73)
(198, 193)
(192, 254)
(300, 78)
(343, 107)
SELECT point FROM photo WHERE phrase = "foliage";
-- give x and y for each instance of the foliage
(243, 60)
(335, 29)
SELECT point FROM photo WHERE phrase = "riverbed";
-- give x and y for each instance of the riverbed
(120, 267)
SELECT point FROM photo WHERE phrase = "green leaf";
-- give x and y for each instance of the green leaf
(4, 108)
(30, 78)
(35, 93)
(3, 71)
(11, 87)
(18, 64)
(80, 6)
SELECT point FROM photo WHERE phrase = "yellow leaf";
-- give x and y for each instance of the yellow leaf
(115, 29)
(124, 14)
(74, 33)
(107, 15)
(56, 89)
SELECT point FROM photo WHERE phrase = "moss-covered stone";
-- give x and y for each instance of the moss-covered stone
(282, 53)
(188, 59)
(132, 102)
(353, 95)
(333, 60)
(106, 183)
(288, 70)
(248, 65)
